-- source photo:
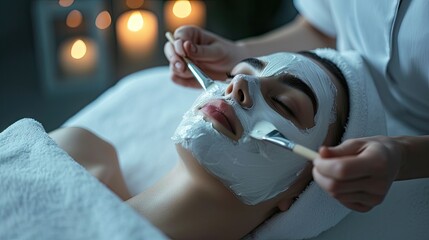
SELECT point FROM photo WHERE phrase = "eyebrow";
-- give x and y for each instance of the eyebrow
(255, 63)
(295, 82)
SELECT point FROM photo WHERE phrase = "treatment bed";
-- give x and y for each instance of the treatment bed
(49, 196)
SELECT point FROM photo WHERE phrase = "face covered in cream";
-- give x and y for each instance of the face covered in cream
(254, 170)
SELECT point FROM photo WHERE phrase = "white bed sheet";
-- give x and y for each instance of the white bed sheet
(139, 115)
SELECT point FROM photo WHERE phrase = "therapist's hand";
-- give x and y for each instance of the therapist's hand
(359, 172)
(215, 55)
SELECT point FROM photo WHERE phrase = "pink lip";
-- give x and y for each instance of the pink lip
(221, 112)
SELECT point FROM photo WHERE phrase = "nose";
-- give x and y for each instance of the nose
(239, 89)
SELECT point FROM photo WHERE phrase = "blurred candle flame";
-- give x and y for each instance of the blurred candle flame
(184, 12)
(78, 56)
(182, 8)
(135, 22)
(78, 49)
(137, 32)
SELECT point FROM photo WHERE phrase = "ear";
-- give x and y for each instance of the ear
(285, 203)
(287, 198)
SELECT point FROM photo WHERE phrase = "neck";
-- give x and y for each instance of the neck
(186, 207)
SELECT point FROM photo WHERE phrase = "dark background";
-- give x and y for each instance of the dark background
(21, 90)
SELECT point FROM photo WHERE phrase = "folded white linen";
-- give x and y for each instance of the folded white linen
(47, 195)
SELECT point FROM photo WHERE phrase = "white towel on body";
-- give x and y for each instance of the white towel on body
(47, 195)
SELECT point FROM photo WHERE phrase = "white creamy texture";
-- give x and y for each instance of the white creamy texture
(254, 170)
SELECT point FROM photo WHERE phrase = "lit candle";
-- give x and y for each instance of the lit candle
(137, 32)
(78, 57)
(184, 12)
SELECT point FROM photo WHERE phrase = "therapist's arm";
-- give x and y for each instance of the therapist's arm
(415, 158)
(295, 36)
(359, 172)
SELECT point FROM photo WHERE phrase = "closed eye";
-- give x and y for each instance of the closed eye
(230, 76)
(282, 107)
(298, 84)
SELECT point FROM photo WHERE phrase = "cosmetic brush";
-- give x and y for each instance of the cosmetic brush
(266, 131)
(201, 77)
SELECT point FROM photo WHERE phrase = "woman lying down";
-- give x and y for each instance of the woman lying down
(225, 178)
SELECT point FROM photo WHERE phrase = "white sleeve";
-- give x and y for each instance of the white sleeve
(318, 13)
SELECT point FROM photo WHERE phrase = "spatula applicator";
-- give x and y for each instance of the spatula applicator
(266, 131)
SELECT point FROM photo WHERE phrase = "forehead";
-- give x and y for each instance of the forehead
(284, 61)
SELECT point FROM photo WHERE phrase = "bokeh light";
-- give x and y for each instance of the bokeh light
(65, 3)
(78, 49)
(135, 22)
(103, 20)
(74, 19)
(133, 4)
(182, 8)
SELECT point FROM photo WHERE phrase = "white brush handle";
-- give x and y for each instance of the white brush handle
(305, 152)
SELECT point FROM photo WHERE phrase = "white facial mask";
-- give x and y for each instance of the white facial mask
(254, 170)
